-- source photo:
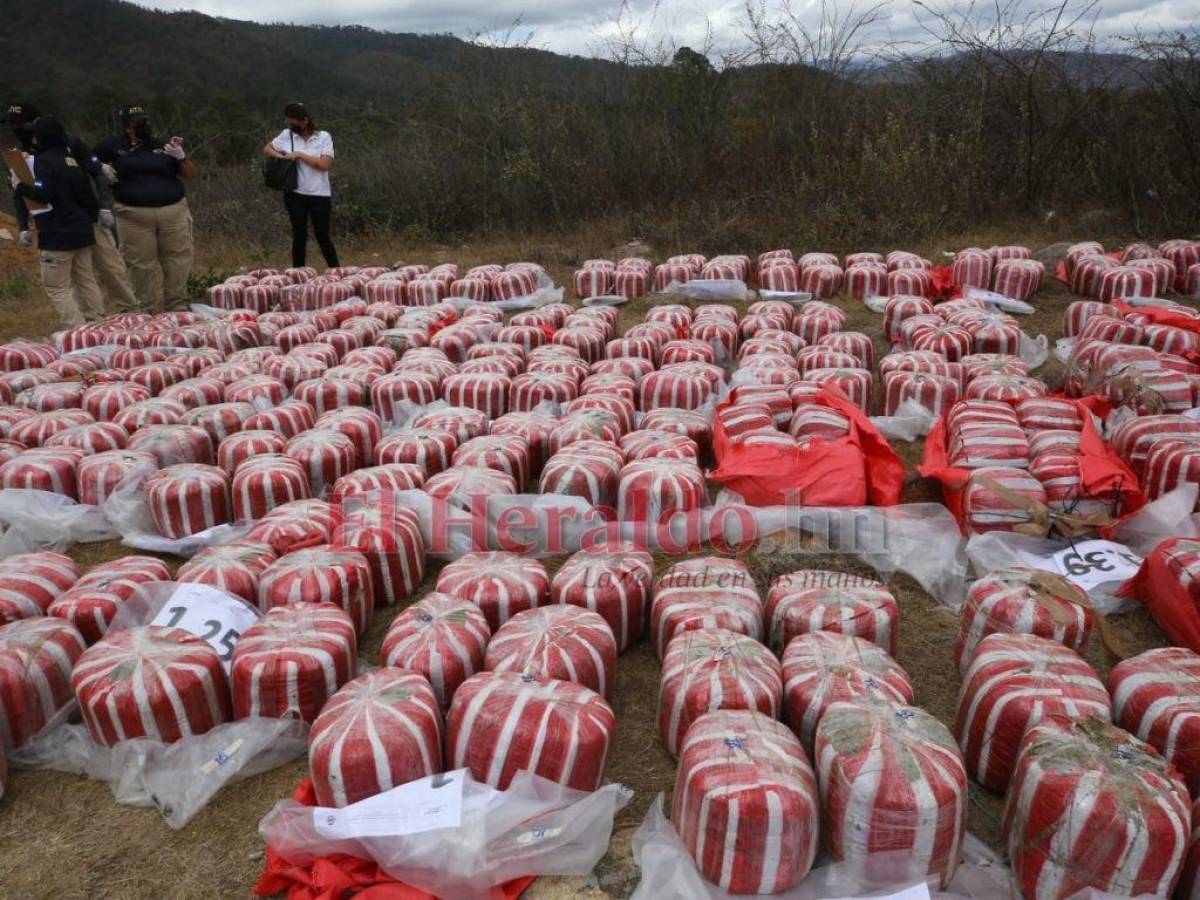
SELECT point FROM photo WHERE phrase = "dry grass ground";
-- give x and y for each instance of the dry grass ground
(64, 837)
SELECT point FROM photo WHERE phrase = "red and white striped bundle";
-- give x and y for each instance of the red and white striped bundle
(256, 387)
(326, 393)
(94, 437)
(429, 448)
(618, 405)
(36, 659)
(363, 427)
(501, 723)
(1092, 806)
(93, 600)
(593, 282)
(1019, 600)
(390, 538)
(325, 456)
(22, 354)
(1133, 438)
(511, 284)
(705, 593)
(746, 804)
(813, 600)
(334, 575)
(461, 422)
(1184, 254)
(440, 637)
(1124, 283)
(935, 393)
(1011, 389)
(972, 268)
(1156, 696)
(1002, 498)
(1049, 413)
(688, 350)
(714, 668)
(822, 281)
(469, 488)
(401, 339)
(295, 525)
(527, 336)
(266, 482)
(915, 282)
(821, 668)
(588, 469)
(891, 780)
(1168, 339)
(146, 413)
(1014, 682)
(588, 341)
(219, 419)
(720, 334)
(651, 490)
(658, 445)
(1019, 279)
(188, 498)
(679, 421)
(293, 658)
(30, 582)
(783, 275)
(44, 469)
(51, 397)
(614, 582)
(105, 401)
(289, 418)
(40, 427)
(742, 418)
(566, 643)
(865, 281)
(1051, 440)
(234, 567)
(904, 259)
(379, 731)
(195, 392)
(593, 424)
(1170, 462)
(812, 324)
(821, 357)
(504, 453)
(153, 682)
(984, 445)
(237, 448)
(1078, 312)
(856, 384)
(296, 367)
(667, 273)
(485, 391)
(291, 336)
(500, 584)
(951, 341)
(534, 428)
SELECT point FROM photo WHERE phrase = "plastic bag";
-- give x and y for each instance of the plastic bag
(910, 422)
(669, 873)
(1034, 351)
(536, 827)
(1000, 301)
(46, 520)
(995, 550)
(177, 779)
(709, 289)
(796, 298)
(1169, 516)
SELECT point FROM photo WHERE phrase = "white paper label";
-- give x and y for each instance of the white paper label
(1092, 563)
(427, 805)
(209, 614)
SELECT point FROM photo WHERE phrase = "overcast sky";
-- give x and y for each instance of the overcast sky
(585, 26)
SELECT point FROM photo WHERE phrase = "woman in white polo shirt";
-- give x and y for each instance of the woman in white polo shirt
(312, 197)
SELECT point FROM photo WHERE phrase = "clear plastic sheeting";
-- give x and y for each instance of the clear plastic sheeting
(994, 550)
(709, 289)
(1034, 351)
(176, 779)
(545, 294)
(477, 837)
(876, 304)
(796, 298)
(669, 873)
(45, 520)
(1000, 301)
(1169, 516)
(910, 422)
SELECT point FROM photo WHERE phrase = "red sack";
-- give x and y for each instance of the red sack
(856, 470)
(1103, 473)
(338, 876)
(1166, 586)
(935, 464)
(943, 286)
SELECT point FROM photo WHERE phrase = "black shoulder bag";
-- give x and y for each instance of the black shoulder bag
(280, 174)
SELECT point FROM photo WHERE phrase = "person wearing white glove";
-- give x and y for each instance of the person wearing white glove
(107, 263)
(151, 209)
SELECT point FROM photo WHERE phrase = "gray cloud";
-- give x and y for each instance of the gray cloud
(584, 26)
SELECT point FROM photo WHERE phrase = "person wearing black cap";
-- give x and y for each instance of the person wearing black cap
(312, 198)
(64, 225)
(151, 207)
(106, 258)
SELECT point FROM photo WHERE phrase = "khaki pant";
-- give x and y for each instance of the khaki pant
(112, 274)
(70, 283)
(156, 242)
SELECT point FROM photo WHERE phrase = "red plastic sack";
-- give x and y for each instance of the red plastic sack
(1166, 586)
(856, 470)
(338, 876)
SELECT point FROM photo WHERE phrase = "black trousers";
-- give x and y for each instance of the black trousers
(301, 208)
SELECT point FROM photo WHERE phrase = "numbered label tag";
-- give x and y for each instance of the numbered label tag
(1093, 563)
(210, 615)
(429, 804)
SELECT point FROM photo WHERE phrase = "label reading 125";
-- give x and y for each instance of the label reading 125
(210, 615)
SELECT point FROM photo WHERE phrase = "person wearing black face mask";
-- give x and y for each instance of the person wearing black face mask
(151, 209)
(106, 258)
(67, 207)
(312, 197)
